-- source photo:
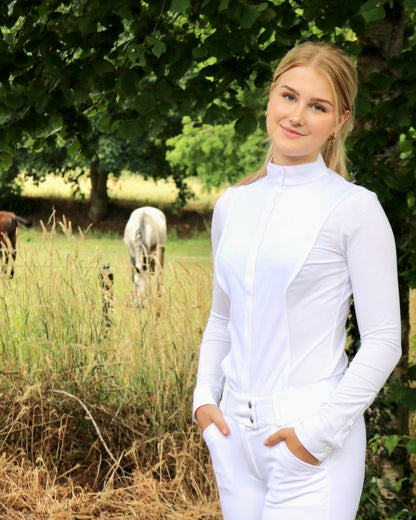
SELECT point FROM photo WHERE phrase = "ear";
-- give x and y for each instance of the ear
(343, 119)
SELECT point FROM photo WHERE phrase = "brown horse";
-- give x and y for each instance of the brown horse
(8, 236)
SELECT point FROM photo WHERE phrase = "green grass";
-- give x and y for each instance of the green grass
(51, 320)
(135, 376)
(107, 247)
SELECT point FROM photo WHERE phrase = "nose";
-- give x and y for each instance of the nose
(296, 118)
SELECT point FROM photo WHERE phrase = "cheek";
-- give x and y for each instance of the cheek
(324, 125)
(275, 112)
(270, 125)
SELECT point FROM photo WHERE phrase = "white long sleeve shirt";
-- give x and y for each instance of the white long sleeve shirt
(289, 251)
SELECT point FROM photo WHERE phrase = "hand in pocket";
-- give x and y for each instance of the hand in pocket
(293, 444)
(208, 414)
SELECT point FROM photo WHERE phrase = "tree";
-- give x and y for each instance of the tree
(385, 136)
(217, 154)
(70, 66)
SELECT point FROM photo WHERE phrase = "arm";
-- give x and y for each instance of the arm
(371, 257)
(215, 341)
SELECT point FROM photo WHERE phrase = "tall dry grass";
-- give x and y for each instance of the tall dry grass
(95, 408)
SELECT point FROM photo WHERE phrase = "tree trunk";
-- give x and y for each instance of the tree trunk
(382, 41)
(99, 197)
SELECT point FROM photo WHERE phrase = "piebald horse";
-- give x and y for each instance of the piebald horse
(8, 236)
(145, 238)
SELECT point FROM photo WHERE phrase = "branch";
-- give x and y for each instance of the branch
(92, 420)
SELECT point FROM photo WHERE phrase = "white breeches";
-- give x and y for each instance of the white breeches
(262, 483)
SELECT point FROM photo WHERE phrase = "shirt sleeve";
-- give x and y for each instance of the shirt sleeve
(215, 343)
(370, 253)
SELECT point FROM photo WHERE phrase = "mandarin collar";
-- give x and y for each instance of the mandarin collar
(298, 174)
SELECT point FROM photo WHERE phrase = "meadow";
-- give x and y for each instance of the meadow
(96, 393)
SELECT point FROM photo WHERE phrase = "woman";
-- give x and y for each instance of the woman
(279, 407)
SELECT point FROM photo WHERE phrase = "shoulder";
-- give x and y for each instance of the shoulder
(355, 196)
(361, 198)
(221, 210)
(224, 202)
(357, 208)
(360, 212)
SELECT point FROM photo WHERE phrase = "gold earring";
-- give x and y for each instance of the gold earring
(331, 138)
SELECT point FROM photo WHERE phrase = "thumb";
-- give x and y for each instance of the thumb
(220, 423)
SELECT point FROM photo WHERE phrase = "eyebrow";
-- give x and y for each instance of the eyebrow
(315, 100)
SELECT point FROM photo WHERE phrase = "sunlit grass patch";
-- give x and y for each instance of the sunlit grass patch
(127, 187)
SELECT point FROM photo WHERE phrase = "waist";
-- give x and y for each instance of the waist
(281, 409)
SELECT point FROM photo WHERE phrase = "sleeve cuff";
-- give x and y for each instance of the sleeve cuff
(320, 439)
(205, 395)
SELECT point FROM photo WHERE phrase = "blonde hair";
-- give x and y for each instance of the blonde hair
(336, 66)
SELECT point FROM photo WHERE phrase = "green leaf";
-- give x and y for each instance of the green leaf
(6, 161)
(135, 54)
(406, 145)
(372, 11)
(157, 46)
(102, 66)
(145, 102)
(246, 124)
(128, 83)
(86, 26)
(363, 106)
(130, 129)
(14, 100)
(180, 6)
(213, 114)
(4, 140)
(52, 61)
(106, 123)
(391, 442)
(411, 446)
(374, 443)
(249, 15)
(358, 24)
(156, 6)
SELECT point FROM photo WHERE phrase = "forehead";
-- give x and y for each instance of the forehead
(307, 80)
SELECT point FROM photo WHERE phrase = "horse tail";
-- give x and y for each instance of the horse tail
(25, 222)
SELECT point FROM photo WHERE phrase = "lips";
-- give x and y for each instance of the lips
(289, 132)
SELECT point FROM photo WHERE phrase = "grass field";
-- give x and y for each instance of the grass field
(92, 408)
(96, 398)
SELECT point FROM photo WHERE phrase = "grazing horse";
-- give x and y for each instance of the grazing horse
(145, 238)
(8, 236)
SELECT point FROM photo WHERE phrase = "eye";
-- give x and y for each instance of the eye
(289, 97)
(319, 108)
